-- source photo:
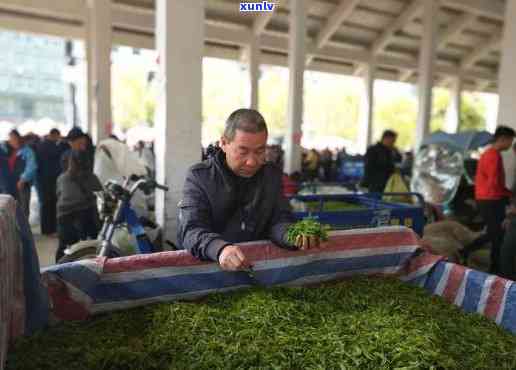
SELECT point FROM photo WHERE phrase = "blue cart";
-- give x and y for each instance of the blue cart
(371, 211)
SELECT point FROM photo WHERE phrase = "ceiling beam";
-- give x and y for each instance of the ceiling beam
(263, 19)
(228, 35)
(73, 10)
(405, 76)
(406, 16)
(133, 18)
(493, 42)
(41, 26)
(342, 12)
(494, 9)
(454, 29)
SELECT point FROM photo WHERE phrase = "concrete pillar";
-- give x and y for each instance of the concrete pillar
(452, 123)
(98, 43)
(297, 58)
(426, 68)
(179, 110)
(253, 60)
(366, 115)
(506, 83)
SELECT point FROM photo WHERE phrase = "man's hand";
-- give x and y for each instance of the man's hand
(232, 259)
(305, 242)
(20, 185)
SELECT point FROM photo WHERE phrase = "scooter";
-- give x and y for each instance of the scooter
(123, 233)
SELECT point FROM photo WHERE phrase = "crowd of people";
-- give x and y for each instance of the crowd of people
(60, 171)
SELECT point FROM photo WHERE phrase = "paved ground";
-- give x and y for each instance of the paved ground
(46, 247)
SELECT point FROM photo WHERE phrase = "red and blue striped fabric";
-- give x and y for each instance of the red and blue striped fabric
(84, 288)
(88, 287)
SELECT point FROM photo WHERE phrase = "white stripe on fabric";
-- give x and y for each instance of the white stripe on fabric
(162, 272)
(78, 295)
(486, 290)
(123, 305)
(158, 272)
(376, 230)
(459, 299)
(354, 253)
(444, 279)
(419, 272)
(501, 311)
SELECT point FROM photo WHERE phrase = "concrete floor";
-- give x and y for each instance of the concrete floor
(46, 247)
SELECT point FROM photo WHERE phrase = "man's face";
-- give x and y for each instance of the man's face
(506, 143)
(389, 142)
(79, 144)
(14, 141)
(245, 154)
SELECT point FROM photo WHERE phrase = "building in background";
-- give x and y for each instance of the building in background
(31, 77)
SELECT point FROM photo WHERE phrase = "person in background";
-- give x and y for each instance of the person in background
(147, 158)
(380, 163)
(407, 164)
(326, 163)
(49, 154)
(78, 142)
(77, 216)
(19, 170)
(312, 164)
(491, 192)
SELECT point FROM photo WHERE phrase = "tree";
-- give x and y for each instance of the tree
(134, 99)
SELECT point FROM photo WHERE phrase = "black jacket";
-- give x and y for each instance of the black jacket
(379, 166)
(220, 208)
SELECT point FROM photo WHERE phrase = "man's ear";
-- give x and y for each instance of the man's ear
(223, 143)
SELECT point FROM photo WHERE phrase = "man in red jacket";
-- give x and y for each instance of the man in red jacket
(491, 192)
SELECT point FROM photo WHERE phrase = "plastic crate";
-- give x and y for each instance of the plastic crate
(373, 211)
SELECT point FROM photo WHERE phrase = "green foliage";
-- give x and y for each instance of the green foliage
(399, 114)
(473, 113)
(357, 324)
(134, 101)
(223, 92)
(273, 99)
(331, 105)
(307, 227)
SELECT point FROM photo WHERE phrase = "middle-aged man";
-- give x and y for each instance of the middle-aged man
(491, 192)
(380, 163)
(234, 197)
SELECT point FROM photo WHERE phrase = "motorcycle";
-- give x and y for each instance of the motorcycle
(123, 232)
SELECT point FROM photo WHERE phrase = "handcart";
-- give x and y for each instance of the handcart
(365, 210)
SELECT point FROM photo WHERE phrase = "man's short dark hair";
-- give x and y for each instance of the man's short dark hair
(247, 120)
(55, 131)
(504, 131)
(389, 134)
(15, 133)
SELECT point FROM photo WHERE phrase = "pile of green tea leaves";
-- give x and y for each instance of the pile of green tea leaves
(307, 227)
(333, 206)
(362, 323)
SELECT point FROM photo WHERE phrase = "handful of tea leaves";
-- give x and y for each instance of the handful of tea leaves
(307, 228)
